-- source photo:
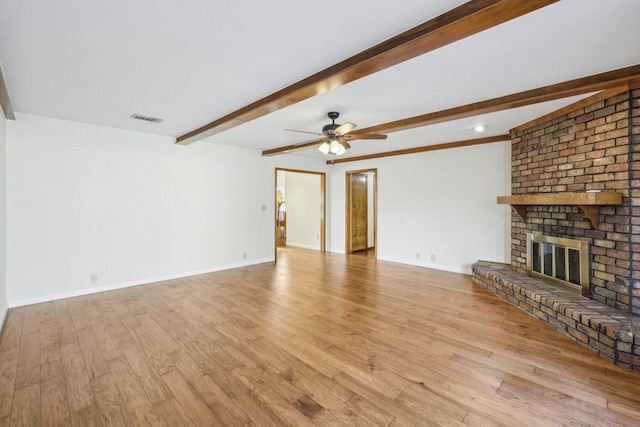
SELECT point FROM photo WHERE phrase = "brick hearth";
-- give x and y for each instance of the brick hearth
(604, 329)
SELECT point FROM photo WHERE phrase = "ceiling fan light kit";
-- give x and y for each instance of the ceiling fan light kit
(336, 136)
(336, 147)
(324, 148)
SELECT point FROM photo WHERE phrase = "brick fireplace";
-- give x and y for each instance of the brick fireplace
(591, 146)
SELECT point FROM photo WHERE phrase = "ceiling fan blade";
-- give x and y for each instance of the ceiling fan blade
(365, 136)
(304, 131)
(344, 129)
(344, 143)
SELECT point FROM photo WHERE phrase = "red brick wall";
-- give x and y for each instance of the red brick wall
(592, 148)
(634, 189)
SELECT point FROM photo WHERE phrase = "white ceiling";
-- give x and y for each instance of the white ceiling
(193, 61)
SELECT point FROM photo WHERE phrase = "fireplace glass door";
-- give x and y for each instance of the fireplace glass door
(560, 262)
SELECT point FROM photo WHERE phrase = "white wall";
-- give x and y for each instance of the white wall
(3, 219)
(304, 205)
(135, 208)
(127, 206)
(440, 203)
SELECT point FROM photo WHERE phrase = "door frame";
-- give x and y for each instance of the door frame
(348, 209)
(323, 206)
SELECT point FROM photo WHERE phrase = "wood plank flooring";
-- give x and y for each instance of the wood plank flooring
(318, 339)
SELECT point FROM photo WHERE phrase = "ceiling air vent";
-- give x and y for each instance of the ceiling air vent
(146, 118)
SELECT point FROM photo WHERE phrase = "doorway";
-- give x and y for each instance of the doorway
(361, 212)
(300, 209)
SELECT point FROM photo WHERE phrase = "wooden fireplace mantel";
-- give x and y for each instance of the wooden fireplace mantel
(587, 203)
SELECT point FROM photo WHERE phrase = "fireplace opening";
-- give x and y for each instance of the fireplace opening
(561, 262)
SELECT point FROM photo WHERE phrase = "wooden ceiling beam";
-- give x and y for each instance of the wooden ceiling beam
(5, 100)
(628, 76)
(597, 97)
(465, 20)
(414, 150)
(293, 147)
(596, 82)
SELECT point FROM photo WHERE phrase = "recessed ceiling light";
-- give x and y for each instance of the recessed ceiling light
(479, 128)
(146, 118)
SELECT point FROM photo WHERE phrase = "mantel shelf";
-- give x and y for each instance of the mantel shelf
(587, 203)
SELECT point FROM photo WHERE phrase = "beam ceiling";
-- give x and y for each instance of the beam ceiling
(629, 76)
(468, 19)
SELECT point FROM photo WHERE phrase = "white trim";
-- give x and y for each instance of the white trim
(460, 270)
(336, 251)
(300, 245)
(87, 291)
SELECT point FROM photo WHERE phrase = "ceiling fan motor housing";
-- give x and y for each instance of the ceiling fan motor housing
(328, 129)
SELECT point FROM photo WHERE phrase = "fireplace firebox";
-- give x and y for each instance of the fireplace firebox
(561, 262)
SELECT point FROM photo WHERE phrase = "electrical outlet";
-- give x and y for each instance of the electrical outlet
(433, 257)
(94, 278)
(264, 207)
(417, 255)
(244, 255)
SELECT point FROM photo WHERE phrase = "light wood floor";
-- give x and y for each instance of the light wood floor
(319, 339)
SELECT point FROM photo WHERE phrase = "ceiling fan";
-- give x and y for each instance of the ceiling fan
(336, 137)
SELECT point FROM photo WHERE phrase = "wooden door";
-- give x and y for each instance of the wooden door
(359, 237)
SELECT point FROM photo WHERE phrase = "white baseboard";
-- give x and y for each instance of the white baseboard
(303, 246)
(111, 287)
(337, 251)
(460, 270)
(114, 286)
